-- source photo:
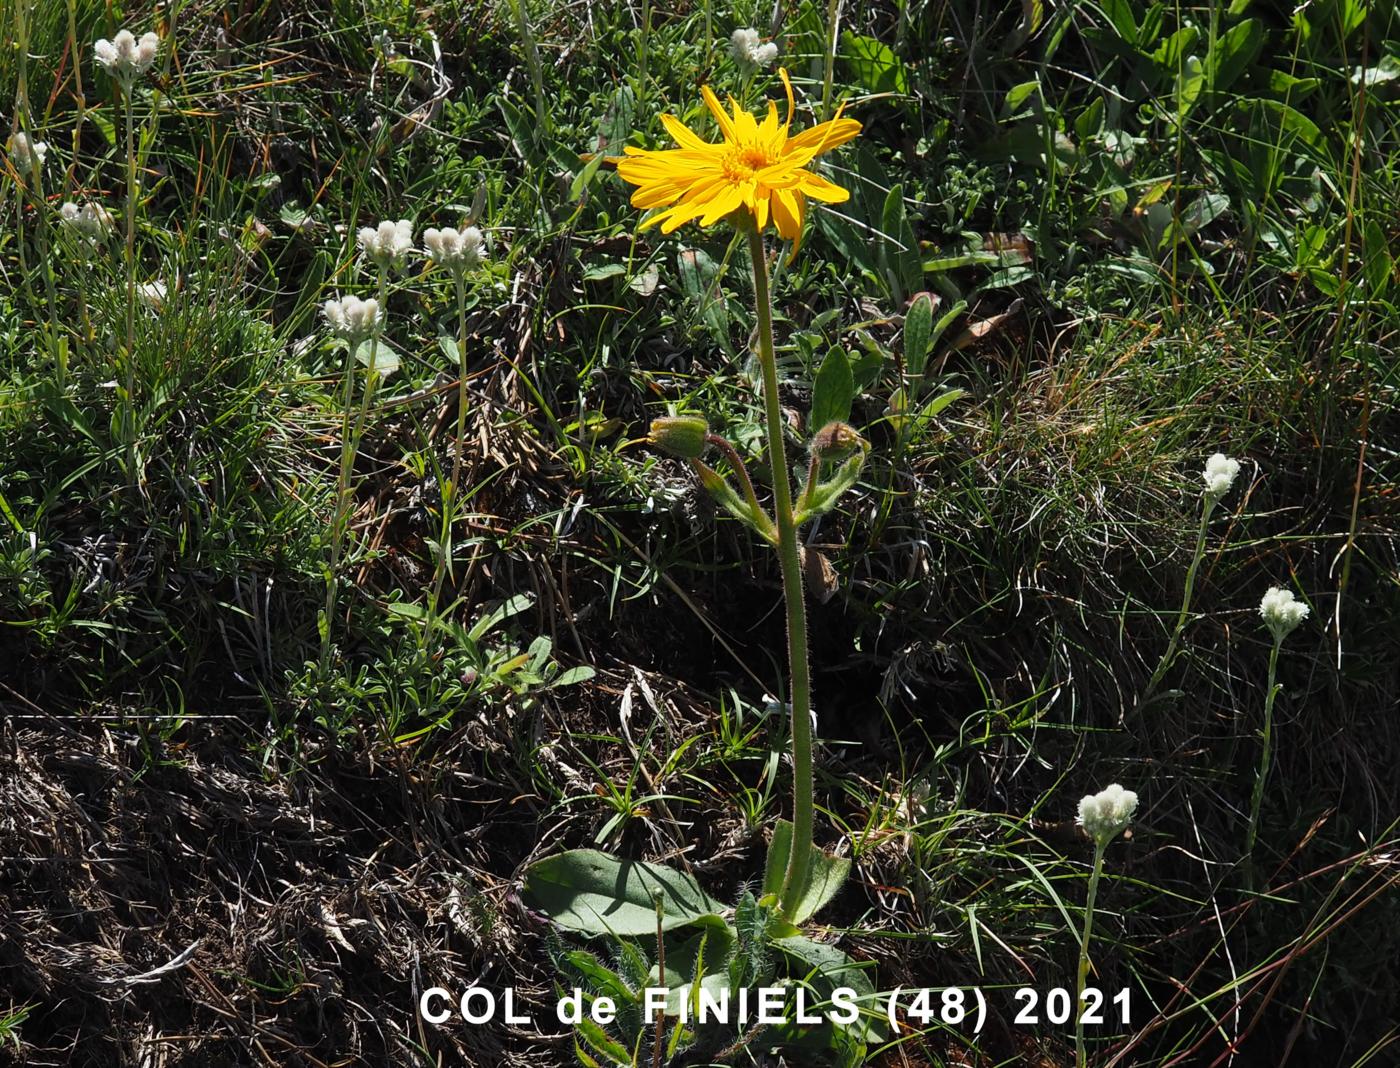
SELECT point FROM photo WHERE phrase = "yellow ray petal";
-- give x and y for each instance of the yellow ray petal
(683, 135)
(712, 102)
(818, 188)
(825, 137)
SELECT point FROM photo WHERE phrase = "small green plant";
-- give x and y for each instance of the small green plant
(908, 412)
(10, 1024)
(125, 58)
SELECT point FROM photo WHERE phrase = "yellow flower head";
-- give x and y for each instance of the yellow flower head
(757, 167)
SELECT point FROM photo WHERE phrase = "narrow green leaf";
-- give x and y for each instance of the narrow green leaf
(572, 677)
(487, 623)
(595, 1036)
(918, 335)
(899, 247)
(1234, 51)
(833, 391)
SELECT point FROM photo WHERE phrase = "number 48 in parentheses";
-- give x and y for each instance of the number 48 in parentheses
(1059, 1001)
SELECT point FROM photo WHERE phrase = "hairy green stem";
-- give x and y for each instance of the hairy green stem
(129, 399)
(1256, 800)
(1082, 977)
(1172, 646)
(349, 445)
(451, 490)
(58, 349)
(800, 856)
(742, 473)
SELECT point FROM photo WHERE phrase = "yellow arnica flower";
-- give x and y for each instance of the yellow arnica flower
(757, 167)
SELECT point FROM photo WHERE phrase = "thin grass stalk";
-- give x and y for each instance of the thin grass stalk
(1173, 645)
(58, 351)
(79, 97)
(709, 35)
(33, 189)
(799, 696)
(833, 21)
(532, 60)
(20, 124)
(1082, 975)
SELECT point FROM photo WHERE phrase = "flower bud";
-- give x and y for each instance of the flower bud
(835, 440)
(680, 435)
(1106, 814)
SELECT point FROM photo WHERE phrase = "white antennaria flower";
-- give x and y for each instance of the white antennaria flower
(457, 250)
(27, 154)
(1106, 814)
(152, 295)
(749, 52)
(92, 222)
(742, 42)
(1220, 475)
(352, 318)
(384, 42)
(125, 57)
(1282, 612)
(388, 243)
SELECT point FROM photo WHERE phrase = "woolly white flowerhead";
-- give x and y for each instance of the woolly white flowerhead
(27, 154)
(457, 250)
(352, 318)
(152, 295)
(388, 243)
(1104, 815)
(749, 52)
(1220, 475)
(125, 57)
(1282, 612)
(742, 42)
(91, 222)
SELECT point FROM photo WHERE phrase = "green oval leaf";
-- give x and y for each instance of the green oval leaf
(595, 894)
(833, 391)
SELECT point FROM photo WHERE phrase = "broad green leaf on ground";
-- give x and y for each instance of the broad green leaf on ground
(824, 968)
(872, 64)
(594, 894)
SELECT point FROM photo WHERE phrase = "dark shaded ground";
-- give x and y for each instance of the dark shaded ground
(303, 913)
